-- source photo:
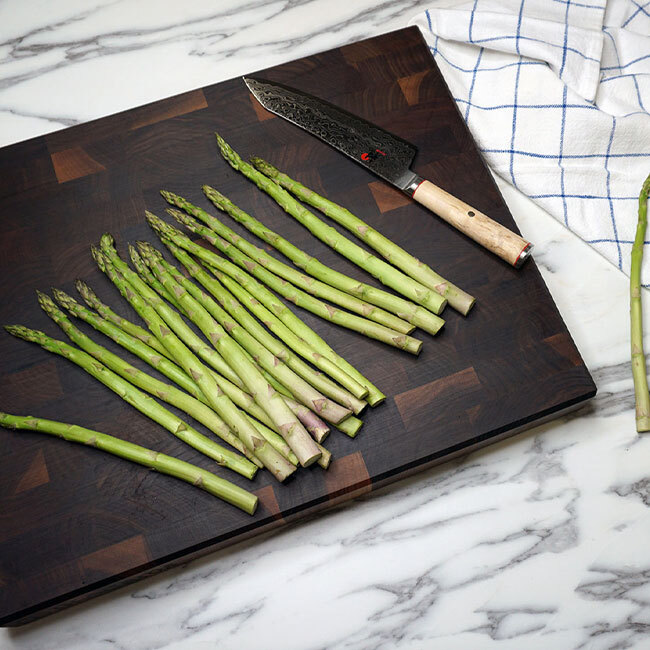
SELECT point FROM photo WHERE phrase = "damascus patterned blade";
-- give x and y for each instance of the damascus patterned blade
(380, 151)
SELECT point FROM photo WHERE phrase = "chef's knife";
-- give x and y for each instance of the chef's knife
(390, 158)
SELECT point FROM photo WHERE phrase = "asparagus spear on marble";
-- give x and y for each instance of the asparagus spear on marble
(396, 255)
(167, 393)
(409, 311)
(385, 273)
(326, 290)
(261, 293)
(639, 372)
(138, 399)
(296, 295)
(155, 460)
(275, 462)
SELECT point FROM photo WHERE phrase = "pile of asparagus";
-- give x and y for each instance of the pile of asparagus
(259, 378)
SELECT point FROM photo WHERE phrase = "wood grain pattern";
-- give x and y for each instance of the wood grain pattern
(386, 197)
(116, 558)
(74, 163)
(36, 474)
(92, 522)
(165, 109)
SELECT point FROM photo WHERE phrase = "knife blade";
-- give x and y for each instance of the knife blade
(390, 158)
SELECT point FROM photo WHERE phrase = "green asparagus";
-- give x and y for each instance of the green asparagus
(107, 313)
(272, 402)
(639, 373)
(145, 273)
(155, 460)
(457, 298)
(206, 353)
(167, 393)
(277, 464)
(133, 396)
(261, 293)
(385, 273)
(409, 311)
(324, 290)
(228, 302)
(174, 372)
(296, 295)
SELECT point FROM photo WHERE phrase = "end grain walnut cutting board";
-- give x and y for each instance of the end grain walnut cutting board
(75, 522)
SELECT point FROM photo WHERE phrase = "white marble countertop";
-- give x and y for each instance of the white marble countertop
(537, 542)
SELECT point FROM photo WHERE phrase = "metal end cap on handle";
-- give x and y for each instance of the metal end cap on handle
(523, 256)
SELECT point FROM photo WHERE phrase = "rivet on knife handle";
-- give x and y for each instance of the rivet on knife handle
(485, 231)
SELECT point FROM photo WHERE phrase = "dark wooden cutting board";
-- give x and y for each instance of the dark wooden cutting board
(75, 522)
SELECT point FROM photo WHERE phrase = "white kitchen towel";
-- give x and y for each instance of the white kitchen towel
(557, 96)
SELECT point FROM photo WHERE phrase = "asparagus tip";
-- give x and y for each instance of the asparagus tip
(181, 217)
(107, 240)
(23, 332)
(84, 289)
(45, 301)
(98, 256)
(216, 197)
(62, 297)
(148, 250)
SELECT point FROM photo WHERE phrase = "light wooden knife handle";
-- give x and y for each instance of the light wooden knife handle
(483, 230)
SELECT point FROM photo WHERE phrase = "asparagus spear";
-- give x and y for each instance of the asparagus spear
(136, 398)
(155, 460)
(396, 255)
(409, 311)
(217, 399)
(191, 339)
(385, 273)
(242, 399)
(326, 456)
(271, 321)
(299, 297)
(639, 372)
(261, 293)
(272, 402)
(205, 310)
(145, 273)
(174, 372)
(130, 343)
(324, 290)
(228, 302)
(351, 425)
(106, 312)
(310, 420)
(170, 394)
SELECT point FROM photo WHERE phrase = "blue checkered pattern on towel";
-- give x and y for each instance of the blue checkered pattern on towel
(557, 96)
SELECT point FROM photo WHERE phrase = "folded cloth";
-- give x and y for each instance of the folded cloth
(557, 95)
